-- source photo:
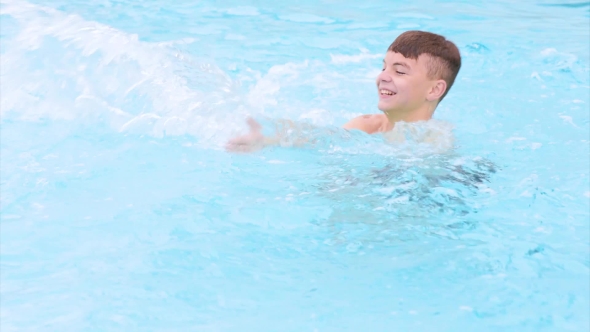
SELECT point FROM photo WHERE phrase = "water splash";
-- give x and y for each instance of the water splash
(59, 66)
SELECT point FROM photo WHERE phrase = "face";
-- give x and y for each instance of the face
(403, 84)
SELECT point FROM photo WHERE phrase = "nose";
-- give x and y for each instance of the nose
(383, 77)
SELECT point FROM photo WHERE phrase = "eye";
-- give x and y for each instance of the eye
(399, 72)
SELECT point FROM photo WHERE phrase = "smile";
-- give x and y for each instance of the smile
(386, 92)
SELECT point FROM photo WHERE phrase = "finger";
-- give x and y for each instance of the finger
(238, 148)
(233, 147)
(254, 125)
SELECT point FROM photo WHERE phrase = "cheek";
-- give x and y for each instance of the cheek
(407, 87)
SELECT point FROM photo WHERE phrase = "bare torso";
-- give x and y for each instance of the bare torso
(370, 123)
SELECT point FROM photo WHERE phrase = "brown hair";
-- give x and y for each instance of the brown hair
(445, 59)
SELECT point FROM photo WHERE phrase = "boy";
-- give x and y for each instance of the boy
(418, 71)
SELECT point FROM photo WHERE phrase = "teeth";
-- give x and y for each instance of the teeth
(386, 92)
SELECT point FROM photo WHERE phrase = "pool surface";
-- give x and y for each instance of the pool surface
(120, 210)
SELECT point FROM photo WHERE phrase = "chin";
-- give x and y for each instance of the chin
(385, 108)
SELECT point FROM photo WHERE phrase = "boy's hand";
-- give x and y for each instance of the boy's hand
(250, 142)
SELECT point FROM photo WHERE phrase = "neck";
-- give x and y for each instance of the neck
(423, 113)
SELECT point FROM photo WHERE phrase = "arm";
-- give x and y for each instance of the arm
(287, 133)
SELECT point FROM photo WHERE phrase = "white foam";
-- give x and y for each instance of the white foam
(568, 119)
(92, 69)
(433, 136)
(364, 55)
(558, 60)
(267, 86)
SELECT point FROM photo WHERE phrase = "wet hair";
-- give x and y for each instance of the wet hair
(444, 58)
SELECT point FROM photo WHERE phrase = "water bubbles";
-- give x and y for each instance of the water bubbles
(563, 62)
(538, 249)
(477, 48)
(354, 247)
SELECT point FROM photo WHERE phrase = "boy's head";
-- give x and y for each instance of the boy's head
(418, 71)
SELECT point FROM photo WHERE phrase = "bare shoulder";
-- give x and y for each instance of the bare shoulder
(369, 123)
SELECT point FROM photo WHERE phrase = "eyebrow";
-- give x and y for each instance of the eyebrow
(403, 64)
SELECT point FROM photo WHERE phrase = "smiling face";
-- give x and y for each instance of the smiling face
(405, 89)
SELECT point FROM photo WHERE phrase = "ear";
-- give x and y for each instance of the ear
(436, 91)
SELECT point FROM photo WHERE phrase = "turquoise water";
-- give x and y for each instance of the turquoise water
(120, 209)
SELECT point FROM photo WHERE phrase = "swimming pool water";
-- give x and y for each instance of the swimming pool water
(120, 209)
